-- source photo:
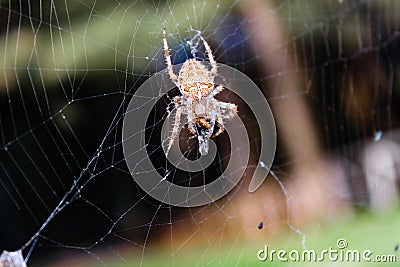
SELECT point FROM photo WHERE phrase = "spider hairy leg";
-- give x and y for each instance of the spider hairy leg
(175, 130)
(216, 91)
(210, 57)
(167, 56)
(221, 129)
(228, 110)
(223, 111)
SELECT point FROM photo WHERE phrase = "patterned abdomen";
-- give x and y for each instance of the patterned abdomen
(195, 80)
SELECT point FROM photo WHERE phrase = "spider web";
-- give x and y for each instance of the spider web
(329, 70)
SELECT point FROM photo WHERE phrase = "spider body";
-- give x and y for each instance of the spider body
(203, 112)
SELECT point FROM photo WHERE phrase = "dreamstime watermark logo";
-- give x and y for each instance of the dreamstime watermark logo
(338, 254)
(147, 177)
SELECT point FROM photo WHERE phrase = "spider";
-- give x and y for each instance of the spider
(196, 85)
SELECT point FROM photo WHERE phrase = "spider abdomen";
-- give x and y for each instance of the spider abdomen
(195, 80)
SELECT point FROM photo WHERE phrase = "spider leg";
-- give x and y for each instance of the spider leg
(167, 56)
(192, 129)
(215, 117)
(216, 91)
(175, 130)
(210, 57)
(220, 131)
(223, 111)
(227, 110)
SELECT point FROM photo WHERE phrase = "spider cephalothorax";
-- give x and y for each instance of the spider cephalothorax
(197, 102)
